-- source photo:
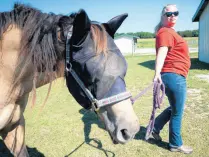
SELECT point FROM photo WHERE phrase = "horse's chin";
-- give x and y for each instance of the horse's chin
(117, 138)
(118, 135)
(115, 142)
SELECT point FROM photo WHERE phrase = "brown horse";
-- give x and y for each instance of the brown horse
(33, 53)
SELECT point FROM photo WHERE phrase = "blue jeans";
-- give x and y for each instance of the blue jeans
(175, 89)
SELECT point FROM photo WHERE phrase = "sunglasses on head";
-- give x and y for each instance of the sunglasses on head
(169, 14)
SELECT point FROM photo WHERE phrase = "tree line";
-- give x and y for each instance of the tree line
(186, 33)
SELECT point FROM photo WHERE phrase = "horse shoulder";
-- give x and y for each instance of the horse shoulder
(11, 39)
(10, 45)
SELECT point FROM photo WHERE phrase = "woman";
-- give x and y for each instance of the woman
(171, 68)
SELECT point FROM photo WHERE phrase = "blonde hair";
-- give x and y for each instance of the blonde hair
(160, 24)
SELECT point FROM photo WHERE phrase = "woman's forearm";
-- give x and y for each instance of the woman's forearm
(161, 55)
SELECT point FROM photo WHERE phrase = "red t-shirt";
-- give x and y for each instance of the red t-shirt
(177, 59)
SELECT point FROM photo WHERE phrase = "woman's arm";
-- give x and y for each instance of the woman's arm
(161, 55)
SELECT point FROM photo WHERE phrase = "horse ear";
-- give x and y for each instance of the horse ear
(81, 27)
(112, 25)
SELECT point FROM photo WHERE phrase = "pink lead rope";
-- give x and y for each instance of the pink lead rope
(158, 95)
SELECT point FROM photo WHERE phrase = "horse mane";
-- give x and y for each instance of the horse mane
(39, 44)
(39, 41)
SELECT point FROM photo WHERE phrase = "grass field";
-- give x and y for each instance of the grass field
(62, 129)
(150, 43)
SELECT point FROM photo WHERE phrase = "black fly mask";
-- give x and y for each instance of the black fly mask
(95, 71)
(102, 74)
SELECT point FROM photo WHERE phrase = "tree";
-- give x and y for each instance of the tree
(188, 33)
(142, 35)
(195, 33)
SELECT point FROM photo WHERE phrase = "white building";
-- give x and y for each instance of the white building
(126, 43)
(202, 16)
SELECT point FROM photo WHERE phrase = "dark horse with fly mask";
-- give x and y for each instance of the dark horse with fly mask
(37, 48)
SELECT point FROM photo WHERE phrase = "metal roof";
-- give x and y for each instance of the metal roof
(199, 10)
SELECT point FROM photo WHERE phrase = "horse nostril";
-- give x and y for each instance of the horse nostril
(125, 134)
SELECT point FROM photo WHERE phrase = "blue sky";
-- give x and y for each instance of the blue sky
(143, 14)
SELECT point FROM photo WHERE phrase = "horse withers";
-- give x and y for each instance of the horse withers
(37, 48)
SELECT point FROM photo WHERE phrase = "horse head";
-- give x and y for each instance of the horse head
(101, 68)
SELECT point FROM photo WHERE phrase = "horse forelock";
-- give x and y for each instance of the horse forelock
(100, 38)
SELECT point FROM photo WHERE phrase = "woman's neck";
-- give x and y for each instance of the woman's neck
(172, 27)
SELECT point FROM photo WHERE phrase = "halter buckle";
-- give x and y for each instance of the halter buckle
(68, 66)
(95, 105)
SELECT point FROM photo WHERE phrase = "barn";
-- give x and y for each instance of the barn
(126, 43)
(202, 16)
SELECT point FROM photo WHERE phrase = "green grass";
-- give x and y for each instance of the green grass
(150, 43)
(62, 128)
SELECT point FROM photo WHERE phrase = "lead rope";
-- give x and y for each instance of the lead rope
(158, 95)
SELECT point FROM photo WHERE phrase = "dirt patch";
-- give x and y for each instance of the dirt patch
(194, 95)
(203, 77)
(193, 92)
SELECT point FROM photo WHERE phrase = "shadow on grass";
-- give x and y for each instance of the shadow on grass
(89, 118)
(195, 64)
(148, 64)
(4, 152)
(198, 65)
(141, 136)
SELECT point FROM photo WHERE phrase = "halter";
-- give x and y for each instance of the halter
(95, 104)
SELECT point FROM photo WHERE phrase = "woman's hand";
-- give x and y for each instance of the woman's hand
(157, 78)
